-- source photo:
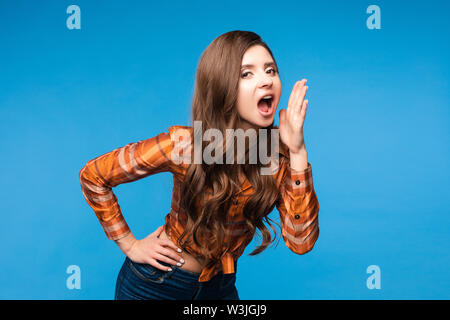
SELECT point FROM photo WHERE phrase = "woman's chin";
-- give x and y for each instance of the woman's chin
(257, 122)
(263, 123)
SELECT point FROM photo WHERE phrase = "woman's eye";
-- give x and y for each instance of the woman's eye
(245, 73)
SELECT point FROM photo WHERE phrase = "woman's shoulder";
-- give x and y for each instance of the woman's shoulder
(176, 131)
(180, 127)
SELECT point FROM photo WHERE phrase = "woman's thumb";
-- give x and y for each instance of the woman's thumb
(282, 115)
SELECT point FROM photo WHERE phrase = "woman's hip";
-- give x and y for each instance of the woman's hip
(137, 281)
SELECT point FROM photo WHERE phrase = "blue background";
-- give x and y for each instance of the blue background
(377, 135)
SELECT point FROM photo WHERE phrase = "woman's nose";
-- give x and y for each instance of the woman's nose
(265, 80)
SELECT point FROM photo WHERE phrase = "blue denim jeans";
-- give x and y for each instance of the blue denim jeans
(137, 281)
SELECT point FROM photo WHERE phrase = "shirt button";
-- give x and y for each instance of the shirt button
(297, 216)
(297, 182)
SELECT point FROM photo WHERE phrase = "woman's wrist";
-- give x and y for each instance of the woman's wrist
(299, 160)
(126, 243)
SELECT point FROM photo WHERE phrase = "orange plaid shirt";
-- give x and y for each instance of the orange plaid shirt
(298, 205)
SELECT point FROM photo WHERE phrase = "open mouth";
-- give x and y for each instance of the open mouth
(265, 105)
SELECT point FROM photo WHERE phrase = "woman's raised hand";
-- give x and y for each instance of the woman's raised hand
(151, 249)
(292, 119)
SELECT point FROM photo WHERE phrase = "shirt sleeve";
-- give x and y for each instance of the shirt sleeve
(299, 210)
(129, 163)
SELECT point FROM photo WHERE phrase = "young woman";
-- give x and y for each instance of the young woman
(216, 206)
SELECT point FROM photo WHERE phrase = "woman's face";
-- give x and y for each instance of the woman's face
(259, 78)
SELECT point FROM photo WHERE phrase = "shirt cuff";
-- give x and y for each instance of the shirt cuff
(115, 228)
(299, 182)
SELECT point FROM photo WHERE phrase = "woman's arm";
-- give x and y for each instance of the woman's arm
(299, 209)
(298, 206)
(122, 165)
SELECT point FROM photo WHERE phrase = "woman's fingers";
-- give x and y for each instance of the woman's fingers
(305, 106)
(167, 259)
(170, 254)
(170, 244)
(294, 95)
(295, 100)
(301, 99)
(166, 255)
(163, 250)
(156, 264)
(291, 98)
(300, 118)
(300, 96)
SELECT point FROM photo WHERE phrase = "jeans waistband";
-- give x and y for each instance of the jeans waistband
(193, 276)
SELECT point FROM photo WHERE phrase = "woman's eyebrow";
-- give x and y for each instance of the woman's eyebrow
(265, 65)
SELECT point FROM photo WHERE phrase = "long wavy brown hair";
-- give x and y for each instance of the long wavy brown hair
(208, 189)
